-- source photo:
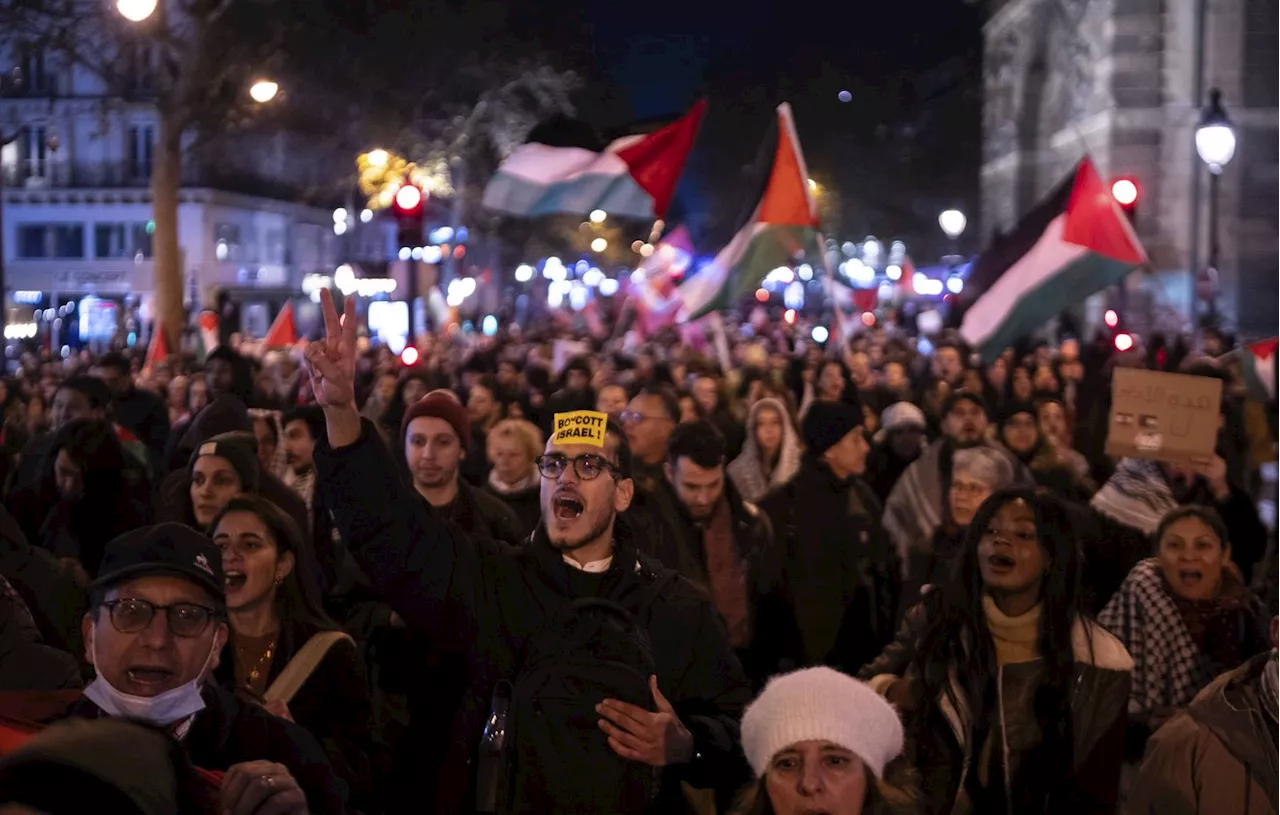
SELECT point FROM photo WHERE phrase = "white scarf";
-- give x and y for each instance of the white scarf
(504, 488)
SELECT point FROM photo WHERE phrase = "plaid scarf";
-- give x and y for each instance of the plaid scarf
(1136, 495)
(1168, 668)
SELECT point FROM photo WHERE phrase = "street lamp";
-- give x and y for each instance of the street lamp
(263, 91)
(953, 223)
(135, 11)
(1216, 146)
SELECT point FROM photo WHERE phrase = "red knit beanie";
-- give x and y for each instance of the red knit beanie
(440, 404)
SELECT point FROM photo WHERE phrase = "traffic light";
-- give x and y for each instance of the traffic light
(1127, 192)
(408, 207)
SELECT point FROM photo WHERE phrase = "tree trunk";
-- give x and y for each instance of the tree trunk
(166, 180)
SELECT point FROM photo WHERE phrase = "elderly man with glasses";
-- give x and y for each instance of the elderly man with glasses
(154, 632)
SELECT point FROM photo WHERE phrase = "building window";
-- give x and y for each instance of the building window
(36, 241)
(35, 152)
(226, 242)
(121, 241)
(139, 71)
(35, 79)
(142, 139)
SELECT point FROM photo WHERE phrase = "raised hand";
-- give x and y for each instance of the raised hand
(331, 362)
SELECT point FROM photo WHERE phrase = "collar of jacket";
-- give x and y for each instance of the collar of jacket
(816, 472)
(1231, 708)
(625, 554)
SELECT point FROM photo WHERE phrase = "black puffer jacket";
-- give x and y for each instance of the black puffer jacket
(949, 733)
(25, 663)
(480, 602)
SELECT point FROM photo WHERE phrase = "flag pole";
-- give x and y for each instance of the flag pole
(827, 282)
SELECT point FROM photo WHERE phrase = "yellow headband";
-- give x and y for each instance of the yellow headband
(580, 427)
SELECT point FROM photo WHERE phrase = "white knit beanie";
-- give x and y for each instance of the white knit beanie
(819, 704)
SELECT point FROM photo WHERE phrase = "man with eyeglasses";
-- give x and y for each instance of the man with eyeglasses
(489, 605)
(154, 633)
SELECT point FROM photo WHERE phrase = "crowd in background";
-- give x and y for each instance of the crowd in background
(939, 590)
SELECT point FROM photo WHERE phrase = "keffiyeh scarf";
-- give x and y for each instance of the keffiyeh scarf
(1168, 668)
(1136, 495)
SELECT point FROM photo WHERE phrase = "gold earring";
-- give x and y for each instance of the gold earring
(279, 582)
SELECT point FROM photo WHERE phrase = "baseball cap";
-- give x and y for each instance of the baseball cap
(167, 548)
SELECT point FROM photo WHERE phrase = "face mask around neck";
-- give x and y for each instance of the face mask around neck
(161, 710)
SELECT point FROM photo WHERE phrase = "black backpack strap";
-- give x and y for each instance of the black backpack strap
(493, 762)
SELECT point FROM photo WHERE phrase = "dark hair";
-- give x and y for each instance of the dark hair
(1209, 517)
(310, 415)
(701, 442)
(666, 393)
(624, 448)
(393, 413)
(298, 599)
(269, 421)
(112, 359)
(94, 390)
(957, 639)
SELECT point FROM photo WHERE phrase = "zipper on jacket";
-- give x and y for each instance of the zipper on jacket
(1004, 742)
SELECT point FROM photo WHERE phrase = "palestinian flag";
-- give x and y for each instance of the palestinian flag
(559, 171)
(1258, 366)
(207, 337)
(157, 349)
(283, 333)
(784, 222)
(1069, 246)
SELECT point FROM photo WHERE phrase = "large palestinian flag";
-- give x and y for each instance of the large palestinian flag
(559, 171)
(783, 223)
(1258, 365)
(1069, 246)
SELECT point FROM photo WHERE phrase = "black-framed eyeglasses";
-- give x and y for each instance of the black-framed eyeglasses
(587, 466)
(130, 615)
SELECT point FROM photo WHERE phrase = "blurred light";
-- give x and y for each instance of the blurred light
(919, 281)
(581, 267)
(861, 273)
(598, 215)
(952, 222)
(377, 158)
(599, 245)
(28, 298)
(556, 274)
(820, 334)
(844, 96)
(893, 272)
(608, 287)
(885, 292)
(790, 316)
(637, 277)
(408, 197)
(955, 285)
(524, 273)
(432, 254)
(1111, 318)
(339, 215)
(20, 331)
(813, 186)
(868, 319)
(1124, 191)
(578, 297)
(805, 272)
(762, 295)
(489, 325)
(442, 235)
(340, 228)
(135, 11)
(462, 234)
(849, 248)
(592, 277)
(366, 215)
(781, 274)
(459, 251)
(405, 253)
(635, 246)
(263, 91)
(66, 351)
(871, 249)
(1123, 342)
(416, 253)
(386, 196)
(793, 297)
(409, 356)
(646, 249)
(550, 266)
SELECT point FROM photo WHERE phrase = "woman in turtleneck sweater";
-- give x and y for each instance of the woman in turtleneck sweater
(512, 445)
(1014, 701)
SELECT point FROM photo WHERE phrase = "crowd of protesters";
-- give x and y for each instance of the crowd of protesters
(795, 578)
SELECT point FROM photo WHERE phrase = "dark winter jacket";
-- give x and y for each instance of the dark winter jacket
(946, 737)
(333, 705)
(26, 663)
(56, 604)
(526, 504)
(481, 514)
(229, 732)
(480, 602)
(775, 638)
(840, 571)
(144, 414)
(1219, 755)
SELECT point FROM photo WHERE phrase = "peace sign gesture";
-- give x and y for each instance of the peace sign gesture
(331, 362)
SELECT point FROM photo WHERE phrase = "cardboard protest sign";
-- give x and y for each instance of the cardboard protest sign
(579, 427)
(1163, 417)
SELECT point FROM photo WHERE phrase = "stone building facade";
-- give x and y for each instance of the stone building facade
(1125, 80)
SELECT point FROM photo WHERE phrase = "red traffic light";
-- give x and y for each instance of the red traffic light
(409, 356)
(408, 200)
(1123, 342)
(1125, 191)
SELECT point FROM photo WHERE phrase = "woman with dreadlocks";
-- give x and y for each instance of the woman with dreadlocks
(1014, 701)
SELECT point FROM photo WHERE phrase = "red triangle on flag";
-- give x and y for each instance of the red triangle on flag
(157, 350)
(1264, 349)
(1095, 221)
(283, 331)
(787, 201)
(657, 160)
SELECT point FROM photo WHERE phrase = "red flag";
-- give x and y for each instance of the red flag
(157, 350)
(283, 332)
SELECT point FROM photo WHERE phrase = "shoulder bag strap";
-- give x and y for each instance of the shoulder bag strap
(303, 664)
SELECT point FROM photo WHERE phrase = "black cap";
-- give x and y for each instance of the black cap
(167, 548)
(962, 396)
(827, 423)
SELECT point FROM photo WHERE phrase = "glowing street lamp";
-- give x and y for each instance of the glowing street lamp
(263, 91)
(953, 223)
(135, 11)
